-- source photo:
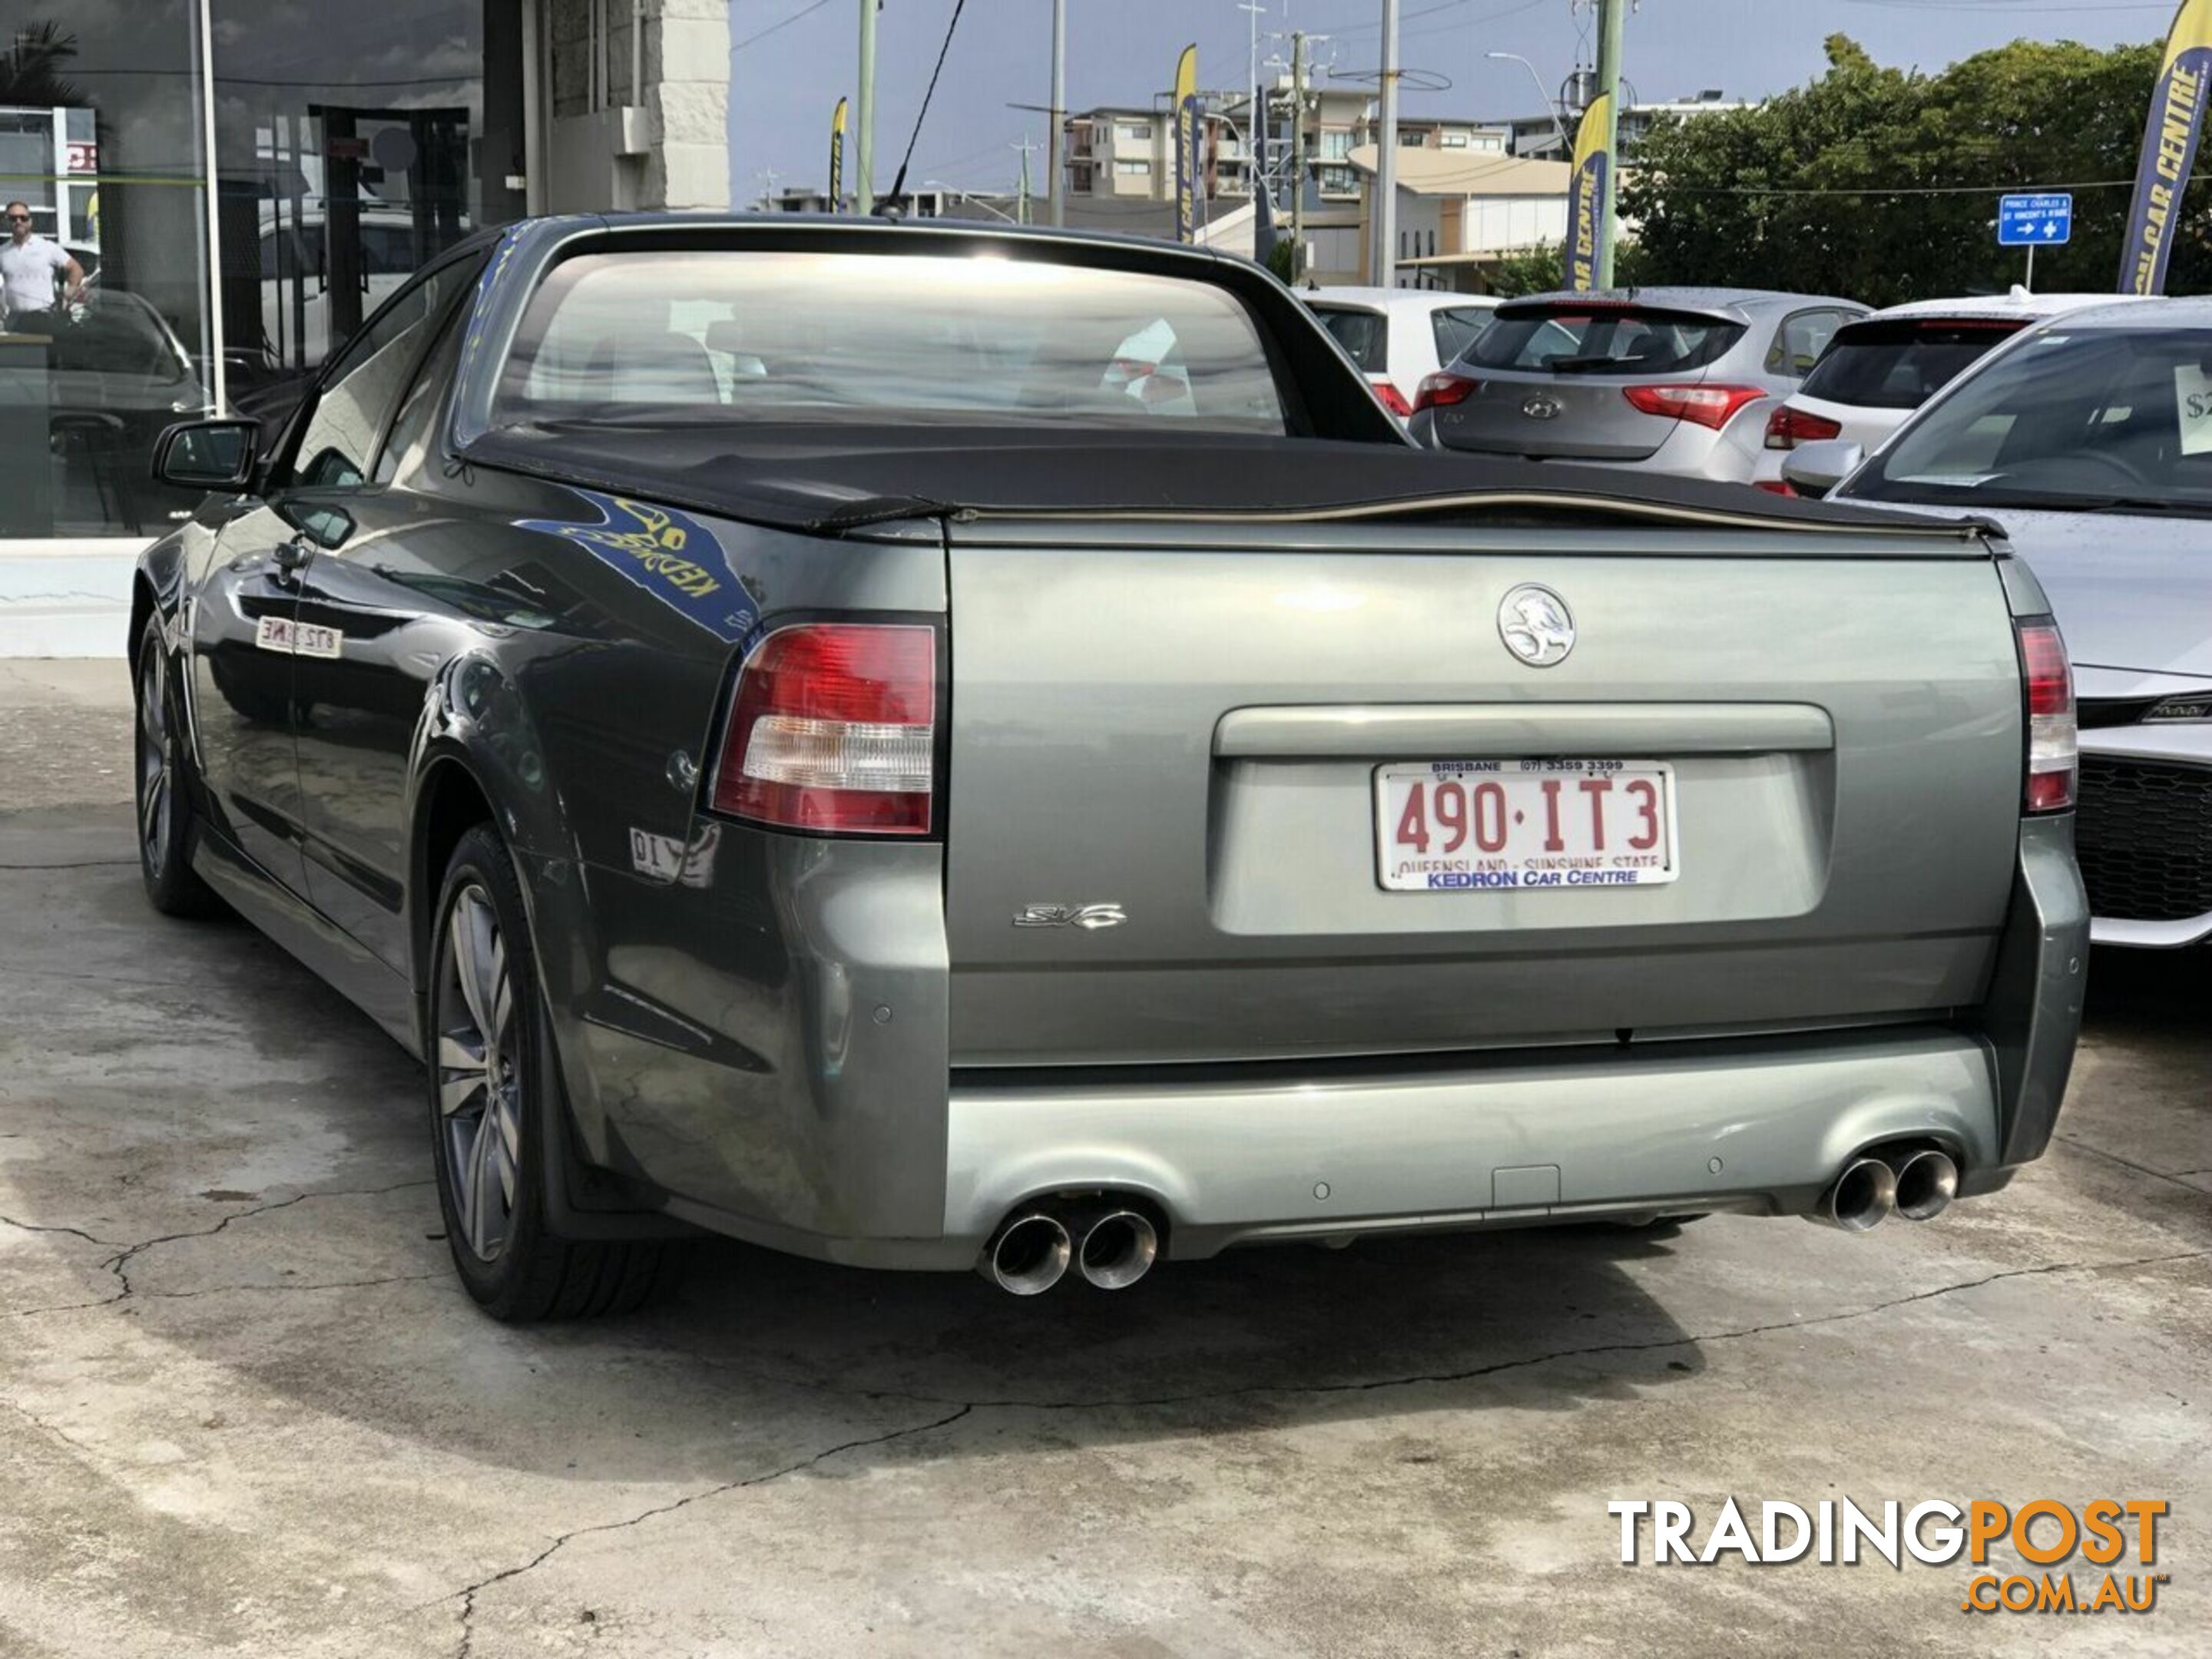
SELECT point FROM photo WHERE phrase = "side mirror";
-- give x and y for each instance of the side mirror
(1814, 469)
(210, 455)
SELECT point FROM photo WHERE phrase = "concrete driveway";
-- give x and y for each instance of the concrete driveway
(245, 1409)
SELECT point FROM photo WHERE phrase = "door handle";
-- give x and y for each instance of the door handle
(291, 557)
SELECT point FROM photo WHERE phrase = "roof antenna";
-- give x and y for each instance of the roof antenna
(898, 184)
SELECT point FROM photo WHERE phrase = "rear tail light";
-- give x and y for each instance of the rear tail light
(1393, 399)
(1444, 389)
(1708, 405)
(1775, 486)
(833, 729)
(1787, 427)
(2051, 753)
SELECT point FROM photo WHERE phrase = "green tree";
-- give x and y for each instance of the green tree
(1881, 183)
(1528, 270)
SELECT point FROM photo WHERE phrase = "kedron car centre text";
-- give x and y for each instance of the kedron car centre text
(2043, 1533)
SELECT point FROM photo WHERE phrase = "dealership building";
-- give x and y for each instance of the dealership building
(243, 180)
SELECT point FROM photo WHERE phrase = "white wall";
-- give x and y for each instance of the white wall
(1495, 224)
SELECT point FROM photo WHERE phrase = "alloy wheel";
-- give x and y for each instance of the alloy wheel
(154, 778)
(479, 1071)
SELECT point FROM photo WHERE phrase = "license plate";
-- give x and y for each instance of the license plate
(1504, 825)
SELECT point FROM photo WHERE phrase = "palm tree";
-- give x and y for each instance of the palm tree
(28, 75)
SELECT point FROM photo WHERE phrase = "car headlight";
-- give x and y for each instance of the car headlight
(2191, 706)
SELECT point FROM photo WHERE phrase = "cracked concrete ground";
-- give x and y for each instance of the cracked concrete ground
(244, 1408)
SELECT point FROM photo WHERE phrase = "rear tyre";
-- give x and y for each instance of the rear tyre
(163, 790)
(494, 1090)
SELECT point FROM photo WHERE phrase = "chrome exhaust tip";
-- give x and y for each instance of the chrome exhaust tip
(1863, 1194)
(1029, 1255)
(1927, 1181)
(1118, 1249)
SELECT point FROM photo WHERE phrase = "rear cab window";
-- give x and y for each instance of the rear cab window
(1574, 339)
(689, 335)
(1901, 364)
(1363, 334)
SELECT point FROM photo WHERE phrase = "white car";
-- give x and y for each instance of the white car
(1399, 336)
(1879, 369)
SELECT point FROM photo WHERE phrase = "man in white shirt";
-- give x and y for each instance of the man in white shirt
(28, 265)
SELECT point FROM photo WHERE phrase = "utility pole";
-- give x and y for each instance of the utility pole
(1055, 182)
(864, 135)
(1611, 14)
(1297, 155)
(1386, 159)
(1255, 119)
(1022, 200)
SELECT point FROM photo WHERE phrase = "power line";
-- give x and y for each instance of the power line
(803, 11)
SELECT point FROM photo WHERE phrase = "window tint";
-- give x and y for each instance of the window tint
(1619, 340)
(711, 336)
(1900, 365)
(2094, 418)
(1800, 341)
(419, 408)
(1455, 332)
(1364, 334)
(366, 381)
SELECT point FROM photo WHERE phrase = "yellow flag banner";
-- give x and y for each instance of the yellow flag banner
(1185, 141)
(837, 159)
(1586, 194)
(2170, 141)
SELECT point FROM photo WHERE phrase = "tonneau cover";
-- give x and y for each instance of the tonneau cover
(825, 479)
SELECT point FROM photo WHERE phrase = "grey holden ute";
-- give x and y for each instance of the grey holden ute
(931, 747)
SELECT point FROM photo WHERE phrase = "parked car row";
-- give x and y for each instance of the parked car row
(2081, 423)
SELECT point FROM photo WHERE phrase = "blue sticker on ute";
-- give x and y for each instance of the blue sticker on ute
(669, 554)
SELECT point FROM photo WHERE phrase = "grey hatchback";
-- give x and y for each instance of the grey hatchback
(1670, 380)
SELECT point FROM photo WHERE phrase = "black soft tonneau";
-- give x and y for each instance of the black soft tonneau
(825, 479)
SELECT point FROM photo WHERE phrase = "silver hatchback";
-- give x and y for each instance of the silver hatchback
(1669, 379)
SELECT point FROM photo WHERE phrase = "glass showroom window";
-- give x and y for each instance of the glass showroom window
(351, 144)
(107, 336)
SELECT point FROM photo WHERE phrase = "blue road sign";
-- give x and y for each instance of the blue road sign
(2035, 220)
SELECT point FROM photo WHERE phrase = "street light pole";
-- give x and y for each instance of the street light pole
(1055, 137)
(1386, 161)
(1610, 16)
(864, 134)
(1567, 146)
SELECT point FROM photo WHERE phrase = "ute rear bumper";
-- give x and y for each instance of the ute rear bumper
(1334, 1149)
(1760, 1127)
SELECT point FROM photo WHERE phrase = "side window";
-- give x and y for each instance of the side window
(366, 381)
(1800, 340)
(418, 410)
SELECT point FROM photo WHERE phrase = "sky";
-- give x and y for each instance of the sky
(790, 60)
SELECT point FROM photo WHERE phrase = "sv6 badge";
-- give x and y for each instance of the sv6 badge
(1089, 917)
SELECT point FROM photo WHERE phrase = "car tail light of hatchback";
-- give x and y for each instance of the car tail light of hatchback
(833, 729)
(1787, 427)
(2052, 753)
(1444, 389)
(1393, 399)
(1708, 405)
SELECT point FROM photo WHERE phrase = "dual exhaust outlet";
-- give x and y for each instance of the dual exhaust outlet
(1916, 1183)
(1111, 1248)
